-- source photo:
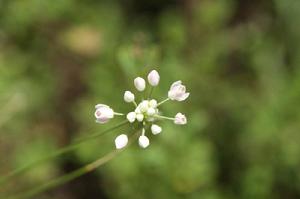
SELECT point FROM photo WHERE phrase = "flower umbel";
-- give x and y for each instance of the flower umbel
(147, 111)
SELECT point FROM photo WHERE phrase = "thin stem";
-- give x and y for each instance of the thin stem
(59, 152)
(135, 104)
(116, 113)
(151, 91)
(71, 176)
(160, 103)
(164, 117)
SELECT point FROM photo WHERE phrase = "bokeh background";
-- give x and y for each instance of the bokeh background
(240, 59)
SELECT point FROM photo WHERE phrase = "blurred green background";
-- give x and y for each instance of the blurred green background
(240, 59)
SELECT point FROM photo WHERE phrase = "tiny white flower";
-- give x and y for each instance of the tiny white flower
(151, 111)
(178, 91)
(139, 84)
(128, 96)
(144, 106)
(180, 119)
(153, 103)
(143, 141)
(121, 141)
(131, 117)
(139, 117)
(155, 129)
(153, 78)
(103, 113)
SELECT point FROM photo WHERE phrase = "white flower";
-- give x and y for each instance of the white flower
(180, 119)
(151, 111)
(139, 117)
(128, 96)
(139, 84)
(131, 117)
(143, 141)
(178, 91)
(153, 103)
(155, 129)
(103, 113)
(143, 106)
(153, 78)
(146, 112)
(121, 141)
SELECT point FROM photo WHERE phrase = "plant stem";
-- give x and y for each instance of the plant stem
(116, 113)
(59, 152)
(71, 176)
(163, 117)
(160, 103)
(151, 91)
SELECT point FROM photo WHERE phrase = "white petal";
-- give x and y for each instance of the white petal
(131, 117)
(143, 141)
(155, 129)
(121, 141)
(139, 117)
(151, 111)
(100, 105)
(176, 84)
(139, 84)
(153, 103)
(128, 96)
(153, 78)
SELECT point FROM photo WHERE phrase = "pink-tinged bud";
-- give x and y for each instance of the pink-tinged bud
(121, 141)
(139, 84)
(103, 113)
(153, 78)
(180, 119)
(178, 91)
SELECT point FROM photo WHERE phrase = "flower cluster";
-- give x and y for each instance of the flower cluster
(147, 111)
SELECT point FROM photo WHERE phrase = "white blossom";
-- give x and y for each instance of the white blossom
(140, 117)
(180, 119)
(121, 141)
(143, 141)
(153, 78)
(146, 112)
(178, 92)
(139, 84)
(131, 117)
(155, 129)
(103, 113)
(128, 96)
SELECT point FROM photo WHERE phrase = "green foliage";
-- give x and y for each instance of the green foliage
(239, 59)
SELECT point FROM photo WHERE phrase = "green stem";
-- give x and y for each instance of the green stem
(59, 152)
(164, 117)
(116, 113)
(160, 103)
(150, 93)
(71, 176)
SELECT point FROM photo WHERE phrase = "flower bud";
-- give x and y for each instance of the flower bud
(131, 117)
(155, 129)
(151, 111)
(143, 141)
(121, 141)
(153, 103)
(143, 106)
(180, 119)
(103, 113)
(139, 84)
(153, 78)
(128, 96)
(139, 117)
(178, 92)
